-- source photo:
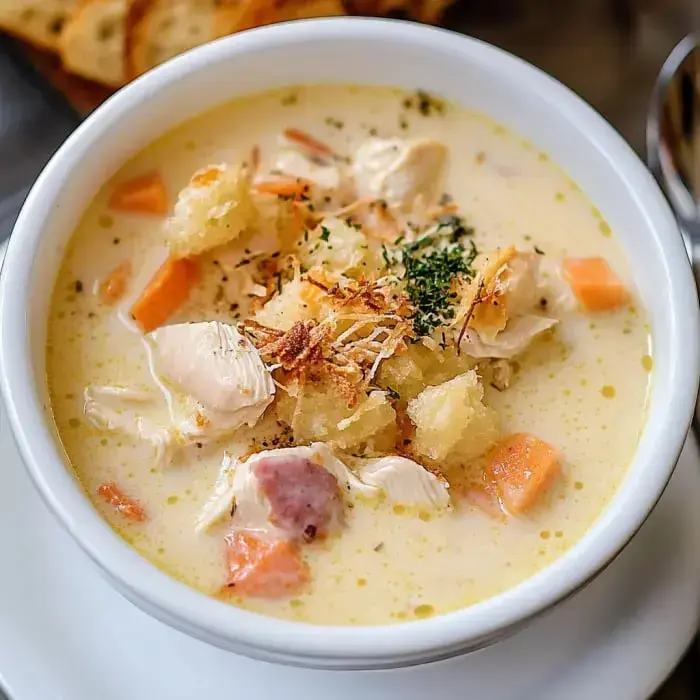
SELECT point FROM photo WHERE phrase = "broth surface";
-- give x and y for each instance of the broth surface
(582, 389)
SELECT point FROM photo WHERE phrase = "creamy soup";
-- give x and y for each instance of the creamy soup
(347, 355)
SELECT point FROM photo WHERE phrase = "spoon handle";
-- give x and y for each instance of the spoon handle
(692, 245)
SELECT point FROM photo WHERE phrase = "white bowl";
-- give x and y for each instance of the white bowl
(352, 51)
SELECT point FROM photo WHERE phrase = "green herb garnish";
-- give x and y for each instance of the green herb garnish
(430, 264)
(325, 233)
(428, 281)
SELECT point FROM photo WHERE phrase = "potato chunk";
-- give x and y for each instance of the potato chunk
(452, 422)
(325, 416)
(212, 210)
(298, 301)
(409, 372)
(337, 247)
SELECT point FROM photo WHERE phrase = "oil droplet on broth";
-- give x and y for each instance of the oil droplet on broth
(423, 611)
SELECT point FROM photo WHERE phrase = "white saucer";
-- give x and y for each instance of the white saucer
(64, 633)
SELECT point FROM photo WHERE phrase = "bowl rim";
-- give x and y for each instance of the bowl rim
(297, 642)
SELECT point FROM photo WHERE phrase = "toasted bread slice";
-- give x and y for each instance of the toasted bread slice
(430, 11)
(37, 21)
(158, 30)
(237, 15)
(93, 40)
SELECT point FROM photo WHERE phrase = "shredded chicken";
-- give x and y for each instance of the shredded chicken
(397, 171)
(406, 482)
(216, 365)
(498, 315)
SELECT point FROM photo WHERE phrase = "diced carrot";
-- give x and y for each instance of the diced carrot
(312, 146)
(114, 285)
(292, 187)
(595, 285)
(168, 289)
(264, 569)
(523, 468)
(128, 507)
(142, 195)
(484, 496)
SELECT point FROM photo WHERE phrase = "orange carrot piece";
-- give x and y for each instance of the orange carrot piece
(113, 286)
(523, 468)
(293, 187)
(264, 569)
(308, 143)
(142, 195)
(484, 496)
(595, 285)
(168, 289)
(128, 507)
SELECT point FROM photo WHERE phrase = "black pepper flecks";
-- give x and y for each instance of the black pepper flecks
(428, 104)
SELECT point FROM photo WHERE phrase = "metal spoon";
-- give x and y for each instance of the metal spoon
(673, 139)
(673, 145)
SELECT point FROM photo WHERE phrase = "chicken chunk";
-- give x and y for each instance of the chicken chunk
(406, 482)
(217, 366)
(502, 307)
(398, 171)
(511, 341)
(122, 410)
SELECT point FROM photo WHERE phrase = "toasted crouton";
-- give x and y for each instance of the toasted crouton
(212, 210)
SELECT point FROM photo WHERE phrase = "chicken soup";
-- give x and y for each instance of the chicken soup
(347, 355)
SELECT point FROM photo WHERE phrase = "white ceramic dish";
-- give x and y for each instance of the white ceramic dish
(74, 637)
(359, 51)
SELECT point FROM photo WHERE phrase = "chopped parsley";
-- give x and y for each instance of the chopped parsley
(325, 233)
(428, 281)
(430, 264)
(385, 255)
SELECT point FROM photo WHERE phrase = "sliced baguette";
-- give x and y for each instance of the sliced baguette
(158, 30)
(38, 21)
(93, 40)
(237, 15)
(430, 11)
